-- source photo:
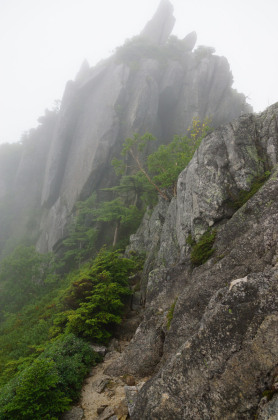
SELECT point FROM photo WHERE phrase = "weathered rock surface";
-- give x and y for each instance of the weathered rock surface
(269, 410)
(219, 352)
(189, 41)
(227, 162)
(161, 25)
(76, 413)
(98, 113)
(132, 91)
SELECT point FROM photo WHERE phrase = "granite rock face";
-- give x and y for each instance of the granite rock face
(228, 161)
(218, 353)
(161, 25)
(132, 91)
(156, 84)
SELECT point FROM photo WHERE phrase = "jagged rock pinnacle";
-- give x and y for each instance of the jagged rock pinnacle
(190, 41)
(158, 29)
(83, 71)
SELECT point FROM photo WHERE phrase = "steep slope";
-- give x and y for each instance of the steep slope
(153, 83)
(22, 168)
(218, 353)
(115, 100)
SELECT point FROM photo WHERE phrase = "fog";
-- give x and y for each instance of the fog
(44, 42)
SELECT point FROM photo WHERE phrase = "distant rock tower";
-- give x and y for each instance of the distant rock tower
(190, 41)
(158, 29)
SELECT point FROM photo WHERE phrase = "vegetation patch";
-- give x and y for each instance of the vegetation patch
(269, 394)
(160, 170)
(244, 196)
(44, 353)
(203, 249)
(190, 241)
(46, 387)
(171, 313)
(138, 48)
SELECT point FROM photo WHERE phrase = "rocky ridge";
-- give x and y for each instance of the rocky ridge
(117, 98)
(218, 354)
(154, 83)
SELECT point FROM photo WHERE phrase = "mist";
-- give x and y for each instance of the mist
(43, 44)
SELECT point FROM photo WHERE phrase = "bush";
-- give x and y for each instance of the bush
(73, 358)
(244, 196)
(47, 387)
(95, 301)
(34, 394)
(203, 249)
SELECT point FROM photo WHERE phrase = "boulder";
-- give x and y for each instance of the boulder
(76, 413)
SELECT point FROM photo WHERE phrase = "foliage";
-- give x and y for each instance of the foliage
(203, 51)
(99, 306)
(103, 309)
(34, 394)
(134, 189)
(243, 196)
(23, 276)
(136, 48)
(80, 241)
(119, 214)
(89, 302)
(165, 164)
(269, 393)
(73, 358)
(171, 313)
(42, 363)
(203, 249)
(168, 161)
(190, 241)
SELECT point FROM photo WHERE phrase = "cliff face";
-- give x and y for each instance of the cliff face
(153, 83)
(116, 100)
(218, 354)
(208, 340)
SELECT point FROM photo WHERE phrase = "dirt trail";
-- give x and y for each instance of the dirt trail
(103, 390)
(103, 396)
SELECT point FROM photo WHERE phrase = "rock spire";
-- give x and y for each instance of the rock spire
(158, 29)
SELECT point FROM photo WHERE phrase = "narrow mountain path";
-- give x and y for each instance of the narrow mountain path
(104, 396)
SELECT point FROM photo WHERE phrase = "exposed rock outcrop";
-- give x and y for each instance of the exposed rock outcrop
(218, 354)
(227, 162)
(149, 84)
(115, 101)
(190, 41)
(161, 25)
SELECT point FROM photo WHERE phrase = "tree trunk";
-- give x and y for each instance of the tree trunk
(116, 234)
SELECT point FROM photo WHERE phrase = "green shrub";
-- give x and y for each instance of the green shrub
(243, 196)
(53, 380)
(95, 301)
(103, 309)
(24, 276)
(73, 358)
(190, 241)
(34, 394)
(203, 249)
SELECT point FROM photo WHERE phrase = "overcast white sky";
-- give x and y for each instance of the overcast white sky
(44, 42)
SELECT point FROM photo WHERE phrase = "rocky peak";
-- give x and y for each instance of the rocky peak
(209, 334)
(158, 29)
(190, 41)
(132, 91)
(83, 71)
